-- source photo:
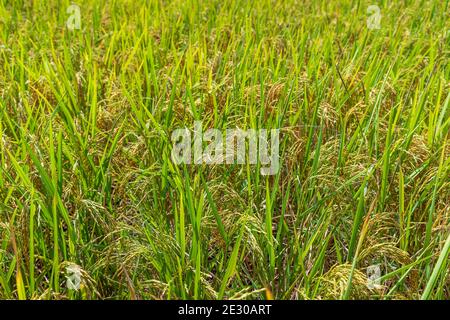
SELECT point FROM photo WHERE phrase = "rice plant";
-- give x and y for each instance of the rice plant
(93, 206)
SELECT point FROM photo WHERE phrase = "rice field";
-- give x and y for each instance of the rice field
(93, 204)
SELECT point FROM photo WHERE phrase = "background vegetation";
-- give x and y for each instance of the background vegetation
(86, 177)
